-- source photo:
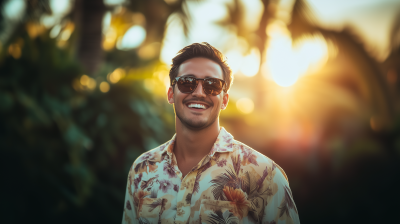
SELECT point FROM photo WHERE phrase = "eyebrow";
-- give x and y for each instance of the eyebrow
(191, 75)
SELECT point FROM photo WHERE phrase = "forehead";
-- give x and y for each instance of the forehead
(200, 68)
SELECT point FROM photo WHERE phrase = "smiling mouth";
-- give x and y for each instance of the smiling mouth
(197, 106)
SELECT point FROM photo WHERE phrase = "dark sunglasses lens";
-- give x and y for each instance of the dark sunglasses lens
(187, 84)
(212, 86)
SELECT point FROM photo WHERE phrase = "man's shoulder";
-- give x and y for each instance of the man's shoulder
(255, 157)
(247, 151)
(151, 155)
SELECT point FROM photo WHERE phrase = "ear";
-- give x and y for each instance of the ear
(170, 95)
(225, 101)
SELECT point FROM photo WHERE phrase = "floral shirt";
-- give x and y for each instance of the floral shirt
(232, 184)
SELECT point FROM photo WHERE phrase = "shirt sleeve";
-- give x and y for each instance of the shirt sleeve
(129, 215)
(281, 209)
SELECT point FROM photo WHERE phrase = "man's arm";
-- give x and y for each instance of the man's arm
(281, 209)
(129, 215)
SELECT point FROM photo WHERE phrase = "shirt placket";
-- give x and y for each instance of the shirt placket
(186, 188)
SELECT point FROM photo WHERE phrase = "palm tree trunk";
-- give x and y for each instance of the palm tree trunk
(89, 17)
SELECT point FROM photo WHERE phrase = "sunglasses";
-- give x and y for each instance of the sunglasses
(211, 86)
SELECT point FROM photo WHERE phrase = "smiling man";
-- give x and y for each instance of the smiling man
(203, 175)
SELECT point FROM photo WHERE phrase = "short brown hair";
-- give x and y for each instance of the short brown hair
(201, 50)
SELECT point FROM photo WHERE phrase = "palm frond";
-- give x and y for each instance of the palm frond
(351, 46)
(180, 9)
(301, 19)
(287, 203)
(220, 181)
(252, 183)
(229, 179)
(215, 219)
(283, 209)
(261, 180)
(230, 218)
(289, 198)
(235, 18)
(185, 20)
(223, 218)
(236, 163)
(245, 183)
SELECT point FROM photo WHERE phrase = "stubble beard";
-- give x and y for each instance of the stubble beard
(196, 125)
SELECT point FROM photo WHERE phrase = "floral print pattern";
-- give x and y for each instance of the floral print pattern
(165, 185)
(232, 184)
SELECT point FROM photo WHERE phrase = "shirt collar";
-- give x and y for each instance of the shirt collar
(224, 143)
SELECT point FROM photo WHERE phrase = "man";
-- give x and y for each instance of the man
(203, 175)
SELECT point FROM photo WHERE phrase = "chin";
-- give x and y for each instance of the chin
(194, 124)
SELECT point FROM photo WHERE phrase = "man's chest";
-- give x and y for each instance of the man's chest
(212, 190)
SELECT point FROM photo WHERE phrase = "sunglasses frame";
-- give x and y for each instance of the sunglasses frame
(176, 79)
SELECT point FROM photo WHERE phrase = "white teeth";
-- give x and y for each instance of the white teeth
(195, 105)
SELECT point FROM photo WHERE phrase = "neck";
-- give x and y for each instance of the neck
(194, 144)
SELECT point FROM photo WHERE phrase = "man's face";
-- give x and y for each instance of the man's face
(192, 117)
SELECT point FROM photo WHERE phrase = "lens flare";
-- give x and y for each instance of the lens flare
(133, 38)
(286, 62)
(245, 105)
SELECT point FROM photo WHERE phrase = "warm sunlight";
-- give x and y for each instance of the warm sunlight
(234, 58)
(251, 63)
(287, 61)
(132, 38)
(245, 105)
(248, 65)
(116, 75)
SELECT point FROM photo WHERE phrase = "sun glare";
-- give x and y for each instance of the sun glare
(248, 65)
(234, 58)
(132, 38)
(286, 62)
(251, 63)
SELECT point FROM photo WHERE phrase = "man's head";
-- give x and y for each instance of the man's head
(201, 50)
(197, 109)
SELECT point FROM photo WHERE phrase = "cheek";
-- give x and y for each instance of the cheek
(178, 99)
(218, 102)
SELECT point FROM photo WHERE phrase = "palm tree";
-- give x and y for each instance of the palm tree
(368, 75)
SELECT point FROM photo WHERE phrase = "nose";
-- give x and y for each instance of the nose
(199, 92)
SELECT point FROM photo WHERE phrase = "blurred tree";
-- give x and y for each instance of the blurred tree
(354, 107)
(68, 138)
(88, 17)
(363, 77)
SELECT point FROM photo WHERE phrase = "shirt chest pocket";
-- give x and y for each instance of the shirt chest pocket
(213, 211)
(150, 210)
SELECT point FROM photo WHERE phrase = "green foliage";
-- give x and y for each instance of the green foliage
(65, 152)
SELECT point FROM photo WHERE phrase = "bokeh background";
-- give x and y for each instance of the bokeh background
(83, 93)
